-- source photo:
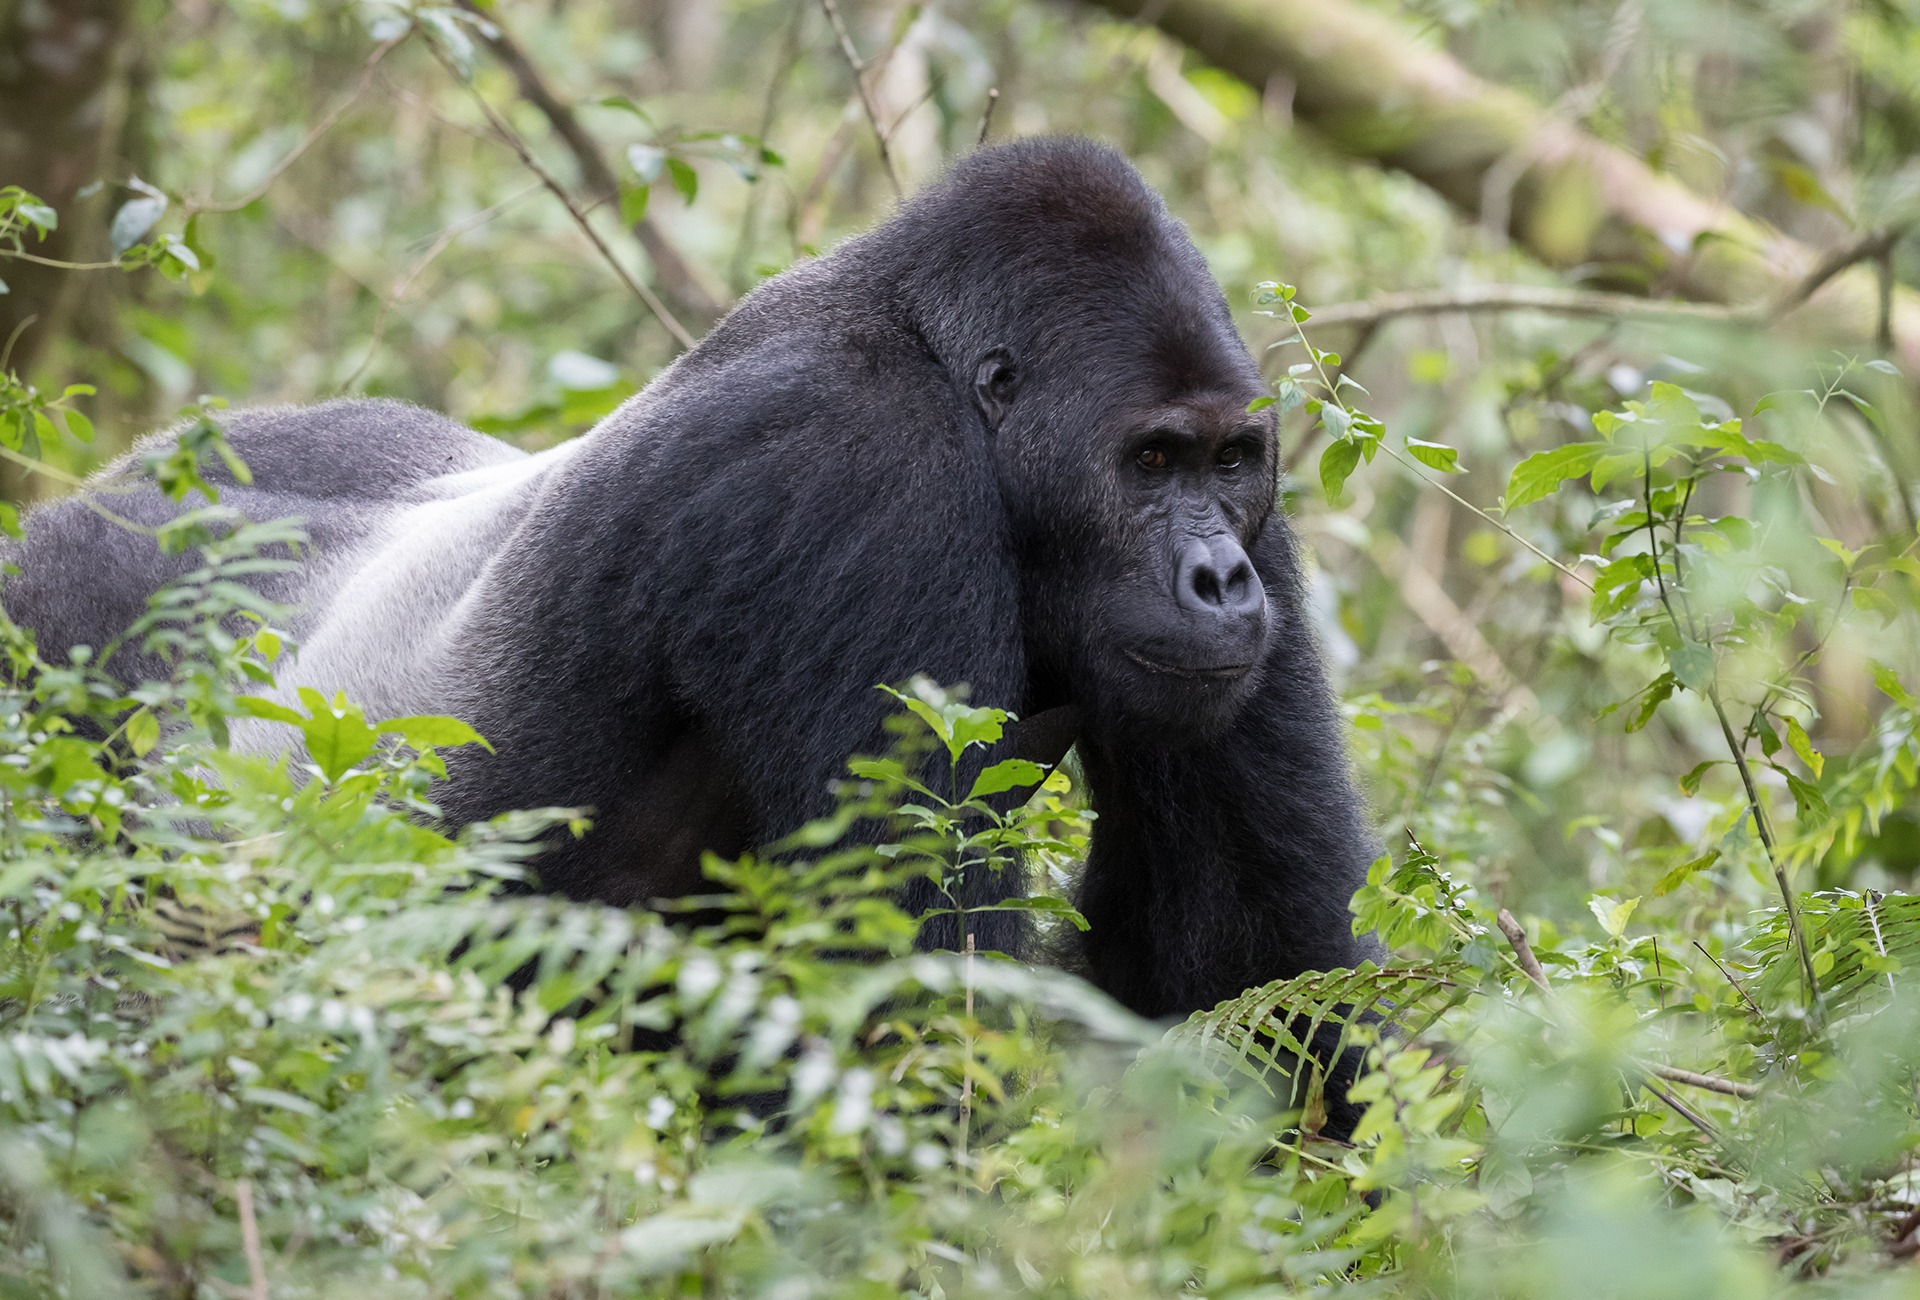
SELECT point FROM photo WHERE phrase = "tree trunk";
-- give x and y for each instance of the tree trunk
(61, 104)
(1363, 81)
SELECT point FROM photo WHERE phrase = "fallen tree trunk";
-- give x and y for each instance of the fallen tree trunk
(1370, 87)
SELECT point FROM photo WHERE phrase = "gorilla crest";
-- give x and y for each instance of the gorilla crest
(1001, 439)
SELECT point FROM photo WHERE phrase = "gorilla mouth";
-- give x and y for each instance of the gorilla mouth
(1191, 672)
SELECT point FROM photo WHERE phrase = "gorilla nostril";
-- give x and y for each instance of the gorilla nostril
(1206, 585)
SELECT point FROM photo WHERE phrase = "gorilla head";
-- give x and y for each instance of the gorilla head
(1104, 362)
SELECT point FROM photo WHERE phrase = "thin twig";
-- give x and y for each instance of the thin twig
(1681, 1109)
(1530, 965)
(516, 142)
(1765, 830)
(1711, 1082)
(250, 1240)
(312, 137)
(677, 276)
(858, 67)
(986, 118)
(440, 245)
(1557, 301)
(1515, 297)
(769, 109)
(1744, 995)
(966, 1078)
(1517, 937)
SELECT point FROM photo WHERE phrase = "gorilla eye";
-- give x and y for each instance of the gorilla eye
(1232, 454)
(1152, 458)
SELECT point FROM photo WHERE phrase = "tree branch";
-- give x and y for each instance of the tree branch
(678, 279)
(1378, 92)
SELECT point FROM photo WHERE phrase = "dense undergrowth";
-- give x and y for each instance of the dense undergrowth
(264, 1032)
(261, 1031)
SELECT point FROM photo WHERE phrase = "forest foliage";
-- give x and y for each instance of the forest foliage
(1622, 604)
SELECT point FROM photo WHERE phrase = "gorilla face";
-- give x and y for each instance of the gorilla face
(1145, 606)
(1185, 619)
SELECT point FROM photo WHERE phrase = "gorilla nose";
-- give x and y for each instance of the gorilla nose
(1214, 577)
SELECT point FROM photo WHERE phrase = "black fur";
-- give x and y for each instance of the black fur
(984, 442)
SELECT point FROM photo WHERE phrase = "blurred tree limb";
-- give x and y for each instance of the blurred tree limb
(1377, 92)
(62, 101)
(679, 282)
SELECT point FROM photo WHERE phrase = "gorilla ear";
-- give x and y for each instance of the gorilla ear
(995, 380)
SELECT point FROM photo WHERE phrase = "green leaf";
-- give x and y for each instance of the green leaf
(10, 521)
(1802, 746)
(1884, 678)
(1540, 475)
(1059, 907)
(337, 733)
(1435, 455)
(1872, 600)
(1337, 462)
(1613, 917)
(685, 178)
(1685, 872)
(439, 732)
(143, 733)
(1260, 404)
(1692, 665)
(255, 706)
(1690, 783)
(1658, 692)
(633, 203)
(1006, 775)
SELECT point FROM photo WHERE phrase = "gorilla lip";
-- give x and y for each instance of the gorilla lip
(1220, 673)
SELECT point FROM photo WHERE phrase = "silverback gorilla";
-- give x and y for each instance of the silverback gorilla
(1002, 439)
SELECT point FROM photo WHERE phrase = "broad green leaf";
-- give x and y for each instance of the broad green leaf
(633, 203)
(1801, 745)
(1338, 461)
(1006, 775)
(1540, 475)
(685, 178)
(143, 733)
(424, 730)
(1435, 455)
(337, 733)
(1059, 907)
(1685, 872)
(1613, 916)
(1692, 665)
(256, 706)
